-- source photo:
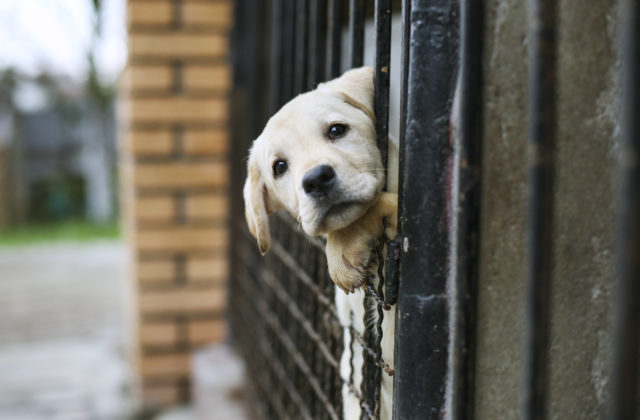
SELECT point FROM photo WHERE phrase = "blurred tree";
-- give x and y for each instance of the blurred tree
(12, 165)
(98, 150)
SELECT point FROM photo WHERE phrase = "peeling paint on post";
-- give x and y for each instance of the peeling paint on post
(426, 162)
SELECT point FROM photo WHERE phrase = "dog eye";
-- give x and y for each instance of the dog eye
(336, 131)
(279, 167)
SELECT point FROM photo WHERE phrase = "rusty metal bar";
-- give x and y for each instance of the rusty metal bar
(541, 149)
(627, 329)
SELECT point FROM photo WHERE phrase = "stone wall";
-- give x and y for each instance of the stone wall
(174, 115)
(584, 212)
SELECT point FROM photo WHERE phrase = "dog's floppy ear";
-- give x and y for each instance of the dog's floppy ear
(255, 202)
(356, 87)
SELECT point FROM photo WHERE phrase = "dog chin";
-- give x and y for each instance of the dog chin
(335, 217)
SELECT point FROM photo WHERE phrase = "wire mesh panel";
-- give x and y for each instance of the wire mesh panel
(287, 326)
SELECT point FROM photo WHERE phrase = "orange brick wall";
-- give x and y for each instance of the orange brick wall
(175, 179)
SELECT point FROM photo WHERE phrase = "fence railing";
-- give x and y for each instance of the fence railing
(283, 314)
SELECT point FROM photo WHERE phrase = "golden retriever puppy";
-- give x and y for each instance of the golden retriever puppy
(317, 158)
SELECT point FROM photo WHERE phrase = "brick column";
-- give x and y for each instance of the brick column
(175, 178)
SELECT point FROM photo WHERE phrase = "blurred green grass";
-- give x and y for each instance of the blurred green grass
(77, 231)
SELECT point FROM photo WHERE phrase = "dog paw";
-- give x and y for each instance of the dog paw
(350, 268)
(388, 208)
(351, 251)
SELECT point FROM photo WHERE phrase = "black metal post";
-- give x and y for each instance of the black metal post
(382, 24)
(275, 64)
(317, 42)
(334, 38)
(467, 216)
(426, 156)
(542, 138)
(288, 50)
(371, 372)
(302, 23)
(356, 32)
(625, 370)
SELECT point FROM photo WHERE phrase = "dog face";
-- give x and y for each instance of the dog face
(317, 158)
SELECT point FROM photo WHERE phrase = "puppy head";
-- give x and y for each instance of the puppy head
(317, 158)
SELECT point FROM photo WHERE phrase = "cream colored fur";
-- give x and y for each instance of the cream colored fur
(351, 217)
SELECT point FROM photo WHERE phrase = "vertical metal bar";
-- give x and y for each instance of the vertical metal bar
(404, 89)
(356, 32)
(542, 138)
(467, 215)
(288, 48)
(302, 15)
(382, 21)
(275, 65)
(317, 42)
(422, 320)
(625, 371)
(334, 38)
(371, 373)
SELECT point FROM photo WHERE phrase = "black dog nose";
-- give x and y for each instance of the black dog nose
(319, 180)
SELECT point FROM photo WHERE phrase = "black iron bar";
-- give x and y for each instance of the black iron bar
(275, 63)
(541, 148)
(467, 216)
(371, 372)
(426, 156)
(370, 385)
(302, 34)
(394, 248)
(356, 32)
(334, 38)
(382, 23)
(288, 50)
(624, 396)
(317, 42)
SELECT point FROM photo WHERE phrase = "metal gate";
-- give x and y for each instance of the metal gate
(283, 314)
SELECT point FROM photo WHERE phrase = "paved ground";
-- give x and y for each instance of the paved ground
(62, 332)
(62, 340)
